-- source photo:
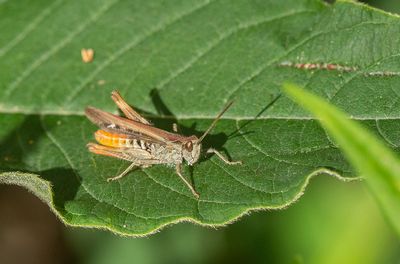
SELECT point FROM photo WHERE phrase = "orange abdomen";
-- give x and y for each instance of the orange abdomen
(112, 140)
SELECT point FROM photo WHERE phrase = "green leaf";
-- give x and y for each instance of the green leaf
(376, 162)
(182, 61)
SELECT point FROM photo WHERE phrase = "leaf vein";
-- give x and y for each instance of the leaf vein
(165, 186)
(263, 152)
(45, 56)
(75, 92)
(295, 47)
(357, 74)
(383, 135)
(237, 180)
(28, 29)
(69, 161)
(215, 43)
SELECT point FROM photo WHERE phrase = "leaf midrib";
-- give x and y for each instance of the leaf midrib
(259, 70)
(63, 113)
(192, 218)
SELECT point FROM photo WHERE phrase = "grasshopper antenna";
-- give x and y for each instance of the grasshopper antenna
(229, 104)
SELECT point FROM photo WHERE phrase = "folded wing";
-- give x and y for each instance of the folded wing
(116, 124)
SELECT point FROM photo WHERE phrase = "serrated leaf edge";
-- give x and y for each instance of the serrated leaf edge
(43, 190)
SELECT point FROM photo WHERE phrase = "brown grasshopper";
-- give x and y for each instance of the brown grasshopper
(136, 140)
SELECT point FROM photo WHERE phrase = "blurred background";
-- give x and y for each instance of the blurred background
(333, 222)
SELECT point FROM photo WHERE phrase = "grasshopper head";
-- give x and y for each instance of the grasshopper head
(191, 150)
(192, 145)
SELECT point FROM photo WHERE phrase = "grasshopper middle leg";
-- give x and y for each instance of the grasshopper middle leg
(122, 174)
(131, 167)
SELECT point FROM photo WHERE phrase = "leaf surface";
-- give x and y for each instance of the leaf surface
(182, 61)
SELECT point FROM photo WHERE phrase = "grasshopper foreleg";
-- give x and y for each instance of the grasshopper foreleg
(214, 151)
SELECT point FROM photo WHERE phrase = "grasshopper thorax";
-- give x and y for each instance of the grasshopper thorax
(191, 149)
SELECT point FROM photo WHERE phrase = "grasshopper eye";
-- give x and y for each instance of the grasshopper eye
(189, 146)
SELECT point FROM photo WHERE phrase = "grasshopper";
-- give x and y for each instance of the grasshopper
(136, 140)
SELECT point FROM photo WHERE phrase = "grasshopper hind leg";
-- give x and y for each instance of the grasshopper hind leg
(178, 169)
(115, 153)
(124, 173)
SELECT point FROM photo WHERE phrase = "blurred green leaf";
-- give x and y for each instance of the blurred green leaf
(374, 161)
(181, 61)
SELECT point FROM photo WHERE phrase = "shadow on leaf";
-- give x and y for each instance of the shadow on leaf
(19, 152)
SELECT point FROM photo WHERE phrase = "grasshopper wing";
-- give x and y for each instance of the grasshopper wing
(126, 109)
(116, 124)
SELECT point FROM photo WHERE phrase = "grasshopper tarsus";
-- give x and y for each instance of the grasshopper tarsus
(216, 152)
(113, 179)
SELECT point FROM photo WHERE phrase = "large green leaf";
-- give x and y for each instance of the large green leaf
(186, 59)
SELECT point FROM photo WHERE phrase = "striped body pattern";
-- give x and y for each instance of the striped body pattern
(134, 149)
(120, 140)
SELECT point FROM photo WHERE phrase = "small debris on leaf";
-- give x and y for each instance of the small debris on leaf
(87, 55)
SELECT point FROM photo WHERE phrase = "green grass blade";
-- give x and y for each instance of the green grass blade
(370, 157)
